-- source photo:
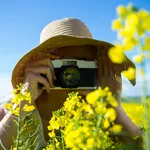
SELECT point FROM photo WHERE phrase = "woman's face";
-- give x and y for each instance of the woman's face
(87, 52)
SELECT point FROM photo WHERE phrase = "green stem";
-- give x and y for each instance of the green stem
(97, 126)
(62, 141)
(144, 102)
(2, 145)
(18, 129)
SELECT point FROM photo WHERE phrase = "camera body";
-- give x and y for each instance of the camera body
(76, 74)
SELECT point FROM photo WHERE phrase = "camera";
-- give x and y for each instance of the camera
(76, 74)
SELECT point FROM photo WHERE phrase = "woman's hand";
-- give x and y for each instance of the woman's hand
(34, 76)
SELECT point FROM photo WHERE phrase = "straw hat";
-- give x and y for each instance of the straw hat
(59, 33)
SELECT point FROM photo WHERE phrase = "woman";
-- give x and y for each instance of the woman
(65, 38)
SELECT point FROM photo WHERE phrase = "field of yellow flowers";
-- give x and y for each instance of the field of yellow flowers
(135, 112)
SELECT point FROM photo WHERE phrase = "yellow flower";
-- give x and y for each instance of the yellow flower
(142, 14)
(132, 21)
(76, 133)
(141, 71)
(51, 134)
(106, 89)
(54, 124)
(68, 128)
(146, 23)
(28, 108)
(69, 140)
(106, 123)
(100, 108)
(116, 128)
(87, 108)
(102, 93)
(126, 32)
(90, 142)
(16, 111)
(110, 114)
(138, 58)
(116, 54)
(28, 97)
(130, 42)
(85, 129)
(92, 97)
(117, 24)
(147, 43)
(111, 100)
(109, 94)
(130, 73)
(57, 143)
(8, 106)
(69, 105)
(63, 120)
(15, 91)
(121, 10)
(15, 99)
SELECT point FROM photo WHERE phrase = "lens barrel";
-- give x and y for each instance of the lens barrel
(70, 76)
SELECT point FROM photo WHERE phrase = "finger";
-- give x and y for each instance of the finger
(50, 77)
(40, 62)
(43, 81)
(52, 70)
(42, 70)
(43, 62)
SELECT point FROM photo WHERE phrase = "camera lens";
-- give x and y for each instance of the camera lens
(71, 77)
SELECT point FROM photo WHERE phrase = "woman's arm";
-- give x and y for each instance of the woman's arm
(108, 77)
(32, 79)
(128, 126)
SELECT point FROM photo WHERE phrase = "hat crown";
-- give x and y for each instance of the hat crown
(67, 26)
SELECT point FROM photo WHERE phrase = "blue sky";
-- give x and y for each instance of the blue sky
(22, 21)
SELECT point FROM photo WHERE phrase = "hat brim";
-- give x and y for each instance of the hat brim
(50, 44)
